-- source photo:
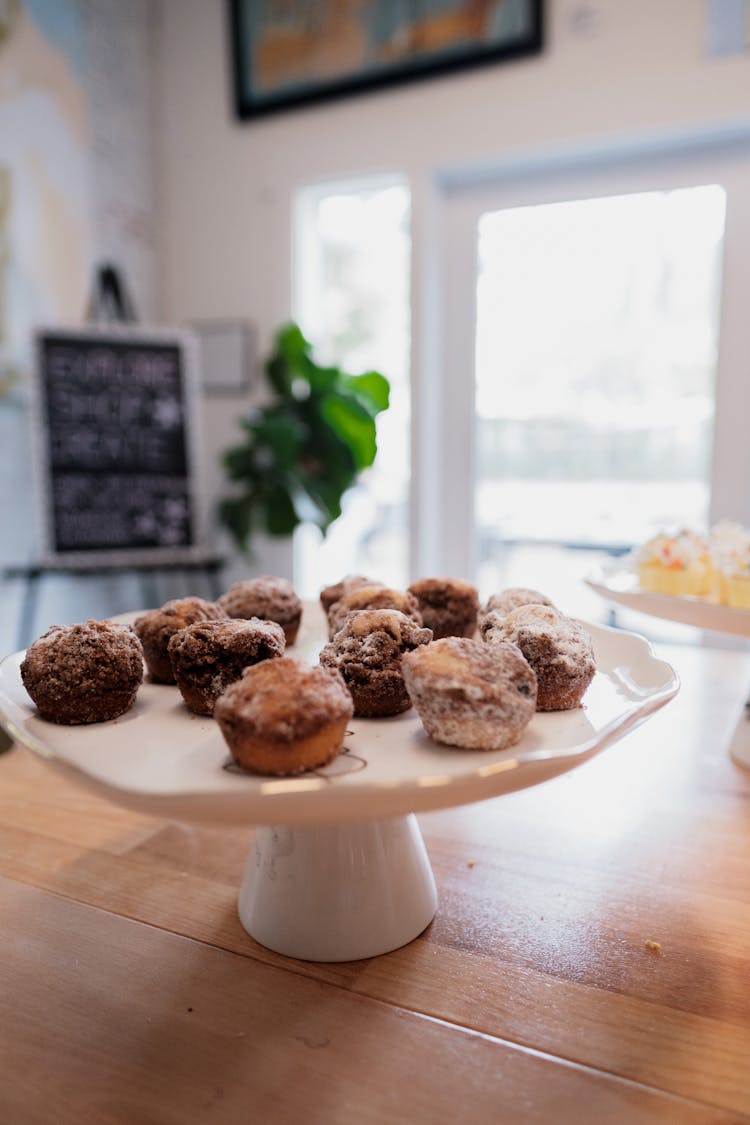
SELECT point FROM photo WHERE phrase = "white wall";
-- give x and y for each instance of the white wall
(630, 72)
(76, 140)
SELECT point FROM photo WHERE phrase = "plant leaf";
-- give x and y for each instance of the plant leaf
(354, 424)
(236, 513)
(281, 516)
(239, 462)
(372, 388)
(304, 450)
(283, 434)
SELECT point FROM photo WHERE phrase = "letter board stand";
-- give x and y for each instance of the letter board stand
(115, 425)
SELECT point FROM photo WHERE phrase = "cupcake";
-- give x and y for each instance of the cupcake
(86, 673)
(675, 564)
(283, 717)
(210, 655)
(470, 694)
(367, 651)
(448, 606)
(329, 595)
(373, 596)
(730, 556)
(271, 599)
(558, 648)
(156, 628)
(511, 598)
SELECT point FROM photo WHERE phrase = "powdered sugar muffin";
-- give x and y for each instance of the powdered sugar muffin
(373, 596)
(210, 655)
(284, 717)
(448, 606)
(471, 694)
(329, 595)
(513, 597)
(367, 651)
(85, 673)
(156, 628)
(557, 647)
(269, 598)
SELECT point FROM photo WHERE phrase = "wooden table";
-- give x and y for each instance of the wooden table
(590, 960)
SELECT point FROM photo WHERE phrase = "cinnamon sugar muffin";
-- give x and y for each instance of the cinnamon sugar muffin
(156, 628)
(373, 596)
(284, 717)
(558, 649)
(367, 651)
(470, 694)
(511, 598)
(84, 673)
(448, 606)
(271, 599)
(331, 594)
(210, 655)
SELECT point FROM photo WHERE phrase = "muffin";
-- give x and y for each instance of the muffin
(284, 717)
(271, 599)
(373, 596)
(156, 628)
(210, 655)
(84, 673)
(558, 648)
(367, 651)
(510, 599)
(331, 594)
(470, 694)
(448, 606)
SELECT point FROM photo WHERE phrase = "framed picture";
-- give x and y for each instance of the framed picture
(289, 53)
(226, 355)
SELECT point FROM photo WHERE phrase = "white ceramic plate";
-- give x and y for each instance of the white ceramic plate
(619, 584)
(162, 759)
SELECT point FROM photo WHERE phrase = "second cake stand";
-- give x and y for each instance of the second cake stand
(619, 584)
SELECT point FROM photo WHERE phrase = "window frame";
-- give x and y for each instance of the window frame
(461, 206)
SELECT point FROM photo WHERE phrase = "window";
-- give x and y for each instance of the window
(352, 250)
(594, 335)
(597, 338)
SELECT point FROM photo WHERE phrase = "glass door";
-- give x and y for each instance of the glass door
(587, 391)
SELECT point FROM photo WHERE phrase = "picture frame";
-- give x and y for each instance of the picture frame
(226, 355)
(292, 53)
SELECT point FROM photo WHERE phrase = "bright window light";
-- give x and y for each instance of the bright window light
(352, 250)
(597, 337)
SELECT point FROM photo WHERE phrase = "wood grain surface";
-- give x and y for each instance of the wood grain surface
(590, 959)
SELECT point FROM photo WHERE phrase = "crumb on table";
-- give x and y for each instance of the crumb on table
(652, 946)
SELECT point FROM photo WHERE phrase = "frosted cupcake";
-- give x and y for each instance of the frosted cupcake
(730, 556)
(675, 564)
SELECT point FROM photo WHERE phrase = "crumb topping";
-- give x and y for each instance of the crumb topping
(460, 669)
(266, 597)
(512, 598)
(83, 673)
(285, 700)
(372, 597)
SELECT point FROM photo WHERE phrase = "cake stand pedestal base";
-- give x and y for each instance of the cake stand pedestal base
(338, 892)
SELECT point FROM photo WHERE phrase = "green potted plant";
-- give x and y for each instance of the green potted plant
(305, 448)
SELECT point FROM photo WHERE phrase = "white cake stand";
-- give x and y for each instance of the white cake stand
(339, 870)
(619, 584)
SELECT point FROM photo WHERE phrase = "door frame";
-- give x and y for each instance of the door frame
(446, 501)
